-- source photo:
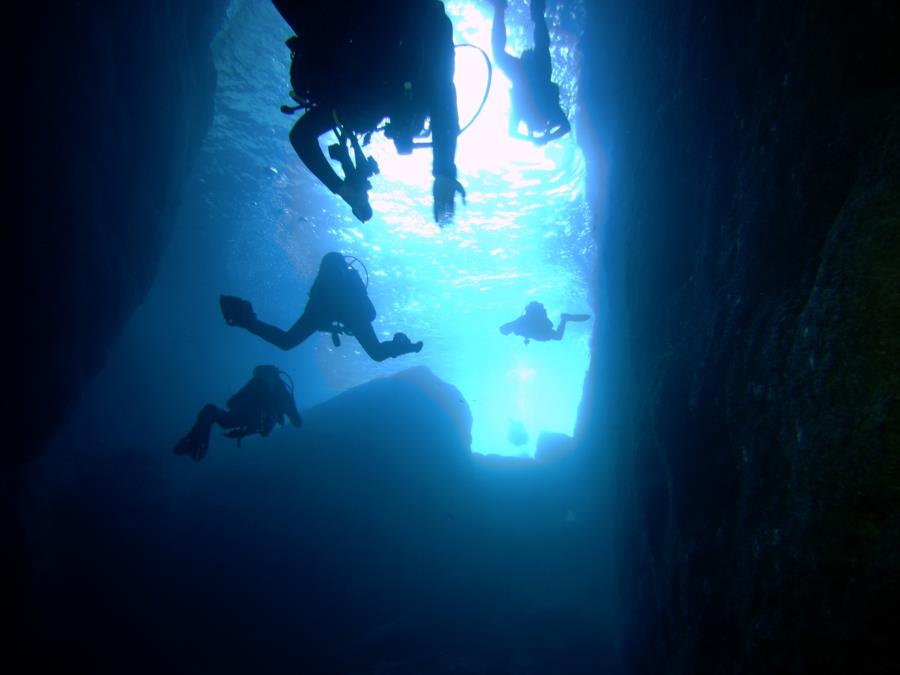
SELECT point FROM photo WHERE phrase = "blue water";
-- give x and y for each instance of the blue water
(523, 235)
(254, 222)
(366, 536)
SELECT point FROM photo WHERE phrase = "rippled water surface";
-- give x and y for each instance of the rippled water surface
(523, 235)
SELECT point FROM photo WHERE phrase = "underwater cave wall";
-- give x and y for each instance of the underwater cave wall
(112, 103)
(750, 240)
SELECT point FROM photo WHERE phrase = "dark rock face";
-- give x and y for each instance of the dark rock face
(750, 243)
(115, 99)
(366, 541)
(751, 239)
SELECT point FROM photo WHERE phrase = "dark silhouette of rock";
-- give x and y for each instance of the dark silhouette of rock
(735, 467)
(114, 103)
(746, 433)
(367, 536)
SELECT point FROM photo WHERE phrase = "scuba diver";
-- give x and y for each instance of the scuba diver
(534, 97)
(355, 64)
(534, 324)
(338, 304)
(255, 409)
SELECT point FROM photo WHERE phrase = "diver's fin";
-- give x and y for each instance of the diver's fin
(196, 442)
(236, 311)
(403, 345)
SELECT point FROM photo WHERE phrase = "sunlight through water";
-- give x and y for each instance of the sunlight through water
(523, 235)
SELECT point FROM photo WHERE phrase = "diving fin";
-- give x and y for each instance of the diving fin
(196, 442)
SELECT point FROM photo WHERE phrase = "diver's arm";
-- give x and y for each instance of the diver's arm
(503, 59)
(541, 34)
(444, 130)
(444, 121)
(287, 406)
(285, 340)
(444, 114)
(305, 139)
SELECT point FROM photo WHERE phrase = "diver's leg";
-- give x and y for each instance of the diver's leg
(228, 419)
(296, 334)
(302, 329)
(367, 339)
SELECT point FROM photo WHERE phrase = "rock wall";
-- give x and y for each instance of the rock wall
(113, 102)
(750, 245)
(746, 436)
(365, 541)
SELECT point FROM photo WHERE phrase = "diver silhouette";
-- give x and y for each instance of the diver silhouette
(355, 64)
(254, 409)
(534, 324)
(534, 96)
(338, 304)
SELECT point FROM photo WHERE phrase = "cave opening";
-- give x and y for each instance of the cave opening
(733, 461)
(523, 235)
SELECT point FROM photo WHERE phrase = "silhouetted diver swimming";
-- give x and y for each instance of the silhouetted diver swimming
(534, 324)
(338, 304)
(254, 409)
(355, 64)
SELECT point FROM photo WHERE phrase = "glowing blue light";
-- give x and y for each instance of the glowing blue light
(523, 235)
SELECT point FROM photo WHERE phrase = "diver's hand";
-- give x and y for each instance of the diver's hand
(358, 201)
(445, 190)
(236, 311)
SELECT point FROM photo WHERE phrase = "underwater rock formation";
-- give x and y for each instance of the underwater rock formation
(115, 100)
(741, 422)
(367, 537)
(750, 250)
